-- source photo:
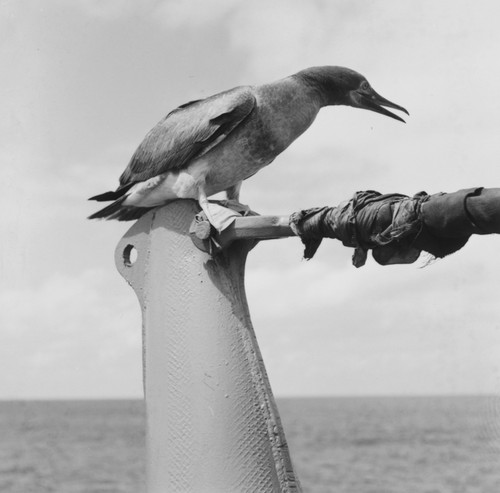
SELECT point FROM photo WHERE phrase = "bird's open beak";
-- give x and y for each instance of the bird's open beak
(375, 102)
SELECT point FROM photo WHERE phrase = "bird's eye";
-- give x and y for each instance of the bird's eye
(364, 86)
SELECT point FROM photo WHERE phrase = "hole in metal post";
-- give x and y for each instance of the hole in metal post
(129, 255)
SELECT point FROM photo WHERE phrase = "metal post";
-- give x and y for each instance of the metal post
(212, 422)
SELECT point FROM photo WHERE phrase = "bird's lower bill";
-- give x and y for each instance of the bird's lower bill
(375, 102)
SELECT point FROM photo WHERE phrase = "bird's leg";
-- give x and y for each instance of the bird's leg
(233, 193)
(205, 205)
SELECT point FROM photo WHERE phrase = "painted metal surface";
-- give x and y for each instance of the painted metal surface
(212, 422)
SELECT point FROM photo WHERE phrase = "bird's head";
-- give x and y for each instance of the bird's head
(343, 86)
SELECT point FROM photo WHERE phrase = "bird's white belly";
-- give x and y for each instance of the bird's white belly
(168, 186)
(210, 174)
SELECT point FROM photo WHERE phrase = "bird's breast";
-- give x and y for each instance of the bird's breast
(278, 119)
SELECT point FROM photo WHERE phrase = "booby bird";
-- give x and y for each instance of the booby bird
(211, 145)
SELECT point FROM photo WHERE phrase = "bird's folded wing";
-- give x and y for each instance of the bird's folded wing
(188, 132)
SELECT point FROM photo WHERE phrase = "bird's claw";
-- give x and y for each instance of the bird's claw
(242, 209)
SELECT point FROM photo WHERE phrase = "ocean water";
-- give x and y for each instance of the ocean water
(355, 445)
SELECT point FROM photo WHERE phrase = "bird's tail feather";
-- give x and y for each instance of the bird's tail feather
(120, 212)
(113, 195)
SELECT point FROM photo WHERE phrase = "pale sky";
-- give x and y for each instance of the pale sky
(82, 83)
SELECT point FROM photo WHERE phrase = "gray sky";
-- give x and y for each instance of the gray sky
(82, 83)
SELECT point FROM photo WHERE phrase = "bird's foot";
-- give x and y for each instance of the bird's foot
(209, 225)
(242, 209)
(219, 216)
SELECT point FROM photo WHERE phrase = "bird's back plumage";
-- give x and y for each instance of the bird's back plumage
(187, 133)
(184, 135)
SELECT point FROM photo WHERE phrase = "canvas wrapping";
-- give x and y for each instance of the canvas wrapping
(397, 228)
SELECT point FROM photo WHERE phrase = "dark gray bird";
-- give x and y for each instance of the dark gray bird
(211, 145)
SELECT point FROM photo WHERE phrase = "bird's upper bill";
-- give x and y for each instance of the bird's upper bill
(370, 100)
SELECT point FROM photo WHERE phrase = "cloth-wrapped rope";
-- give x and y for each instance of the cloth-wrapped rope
(397, 228)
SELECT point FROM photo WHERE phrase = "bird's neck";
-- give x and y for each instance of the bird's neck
(321, 83)
(289, 106)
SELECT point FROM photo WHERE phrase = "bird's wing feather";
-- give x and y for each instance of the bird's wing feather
(188, 132)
